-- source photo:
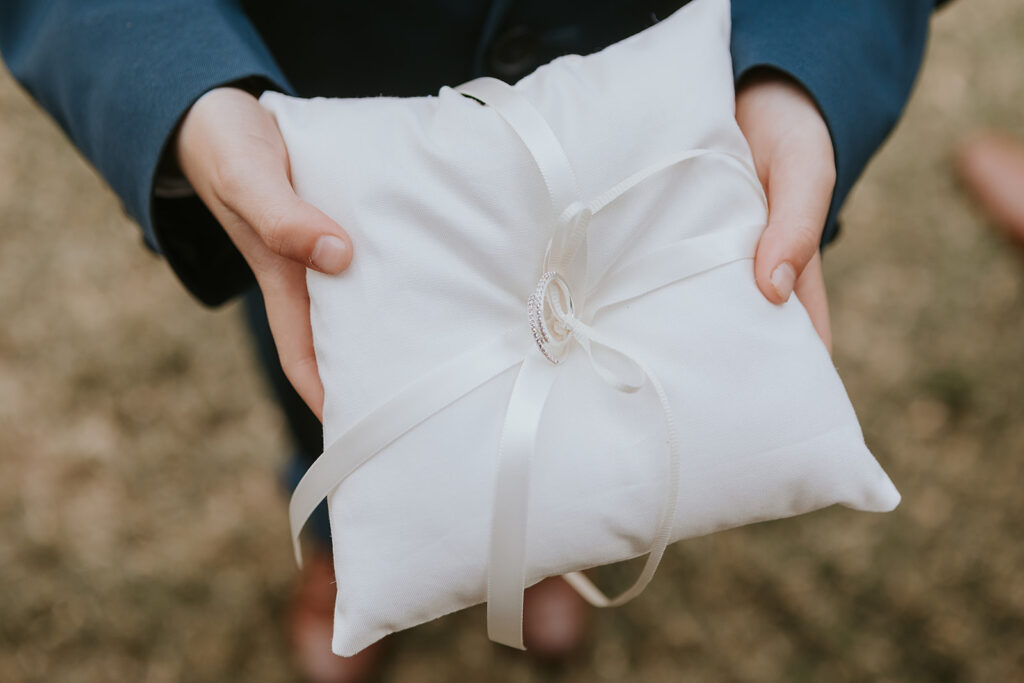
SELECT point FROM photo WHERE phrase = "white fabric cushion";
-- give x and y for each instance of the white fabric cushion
(450, 218)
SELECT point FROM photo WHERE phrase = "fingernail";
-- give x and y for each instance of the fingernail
(329, 254)
(783, 278)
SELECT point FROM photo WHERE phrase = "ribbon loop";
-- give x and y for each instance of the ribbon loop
(587, 337)
(568, 234)
(553, 323)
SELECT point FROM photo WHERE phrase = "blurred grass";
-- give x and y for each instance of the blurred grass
(143, 535)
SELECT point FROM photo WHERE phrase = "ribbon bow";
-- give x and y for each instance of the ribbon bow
(555, 318)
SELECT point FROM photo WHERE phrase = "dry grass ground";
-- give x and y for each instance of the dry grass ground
(143, 535)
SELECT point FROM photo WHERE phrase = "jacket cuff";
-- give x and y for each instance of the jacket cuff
(178, 225)
(118, 77)
(858, 59)
(175, 222)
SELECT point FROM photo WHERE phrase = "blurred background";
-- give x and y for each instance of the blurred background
(143, 533)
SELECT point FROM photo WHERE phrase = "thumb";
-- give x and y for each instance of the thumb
(800, 184)
(287, 225)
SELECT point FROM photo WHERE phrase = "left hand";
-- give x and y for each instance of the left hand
(232, 152)
(793, 155)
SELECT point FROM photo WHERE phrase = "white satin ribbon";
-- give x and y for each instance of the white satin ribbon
(565, 321)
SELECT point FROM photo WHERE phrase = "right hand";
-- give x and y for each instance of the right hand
(793, 153)
(231, 151)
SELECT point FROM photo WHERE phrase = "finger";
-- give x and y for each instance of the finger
(283, 285)
(287, 301)
(810, 289)
(263, 197)
(991, 165)
(800, 183)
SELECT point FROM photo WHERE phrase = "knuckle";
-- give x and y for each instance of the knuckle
(229, 182)
(812, 153)
(299, 366)
(302, 363)
(805, 237)
(273, 228)
(272, 269)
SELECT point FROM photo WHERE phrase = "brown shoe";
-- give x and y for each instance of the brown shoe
(991, 166)
(555, 619)
(311, 623)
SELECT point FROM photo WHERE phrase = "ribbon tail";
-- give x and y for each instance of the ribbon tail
(506, 577)
(663, 533)
(417, 402)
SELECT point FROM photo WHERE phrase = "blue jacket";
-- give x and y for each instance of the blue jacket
(118, 75)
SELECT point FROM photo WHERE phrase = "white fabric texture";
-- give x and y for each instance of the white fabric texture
(451, 217)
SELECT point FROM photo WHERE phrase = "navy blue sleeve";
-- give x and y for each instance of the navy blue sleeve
(117, 76)
(857, 58)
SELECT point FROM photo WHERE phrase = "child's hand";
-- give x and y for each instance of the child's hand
(231, 151)
(794, 158)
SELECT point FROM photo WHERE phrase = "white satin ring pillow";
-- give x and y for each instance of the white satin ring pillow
(549, 352)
